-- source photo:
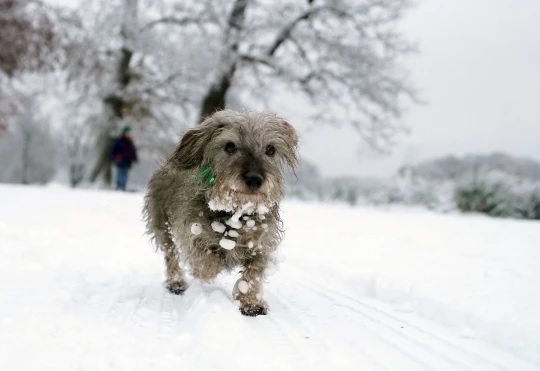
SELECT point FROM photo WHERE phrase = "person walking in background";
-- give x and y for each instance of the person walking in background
(123, 155)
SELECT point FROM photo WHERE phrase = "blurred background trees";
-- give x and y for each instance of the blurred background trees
(71, 77)
(164, 65)
(187, 60)
(27, 38)
(27, 156)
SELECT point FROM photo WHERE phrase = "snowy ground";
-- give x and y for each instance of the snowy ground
(360, 289)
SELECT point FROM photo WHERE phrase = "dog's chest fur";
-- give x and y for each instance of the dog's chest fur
(203, 230)
(248, 232)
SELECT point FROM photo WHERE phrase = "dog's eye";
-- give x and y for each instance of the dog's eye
(230, 147)
(270, 150)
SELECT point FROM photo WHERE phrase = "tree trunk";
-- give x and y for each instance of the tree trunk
(115, 102)
(103, 165)
(215, 98)
(27, 137)
(76, 174)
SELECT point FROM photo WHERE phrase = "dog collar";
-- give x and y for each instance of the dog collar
(205, 175)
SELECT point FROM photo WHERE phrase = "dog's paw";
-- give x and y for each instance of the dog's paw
(176, 287)
(254, 311)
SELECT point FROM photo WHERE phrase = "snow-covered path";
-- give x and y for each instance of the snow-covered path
(359, 289)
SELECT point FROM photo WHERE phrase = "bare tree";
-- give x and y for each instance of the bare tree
(115, 100)
(322, 49)
(32, 37)
(174, 63)
(76, 136)
(343, 58)
(27, 36)
(214, 98)
(27, 152)
(5, 111)
(131, 65)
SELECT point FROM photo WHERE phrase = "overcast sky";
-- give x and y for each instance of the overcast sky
(479, 72)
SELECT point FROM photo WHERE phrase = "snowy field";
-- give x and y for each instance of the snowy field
(357, 289)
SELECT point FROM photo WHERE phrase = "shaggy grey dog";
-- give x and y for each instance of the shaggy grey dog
(215, 203)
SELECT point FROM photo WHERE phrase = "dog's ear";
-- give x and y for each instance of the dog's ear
(291, 133)
(190, 151)
(291, 136)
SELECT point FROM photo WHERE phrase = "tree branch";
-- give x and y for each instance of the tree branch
(172, 21)
(285, 33)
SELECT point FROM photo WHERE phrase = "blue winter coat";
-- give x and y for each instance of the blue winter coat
(123, 152)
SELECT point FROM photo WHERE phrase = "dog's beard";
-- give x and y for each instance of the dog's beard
(234, 201)
(230, 198)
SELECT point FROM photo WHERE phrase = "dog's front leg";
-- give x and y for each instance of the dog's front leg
(248, 289)
(176, 282)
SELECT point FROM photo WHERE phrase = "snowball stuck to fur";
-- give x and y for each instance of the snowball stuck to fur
(234, 223)
(218, 227)
(250, 223)
(264, 226)
(243, 287)
(236, 216)
(225, 204)
(262, 209)
(227, 244)
(233, 233)
(196, 229)
(248, 207)
(250, 244)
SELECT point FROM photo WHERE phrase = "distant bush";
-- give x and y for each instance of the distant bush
(532, 209)
(495, 194)
(481, 197)
(499, 199)
(497, 185)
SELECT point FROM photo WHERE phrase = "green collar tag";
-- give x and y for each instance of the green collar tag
(205, 175)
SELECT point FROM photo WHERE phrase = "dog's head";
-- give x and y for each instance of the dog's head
(240, 158)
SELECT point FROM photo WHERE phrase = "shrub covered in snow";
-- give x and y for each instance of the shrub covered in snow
(500, 198)
(484, 197)
(497, 185)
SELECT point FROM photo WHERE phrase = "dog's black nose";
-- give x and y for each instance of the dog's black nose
(253, 179)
